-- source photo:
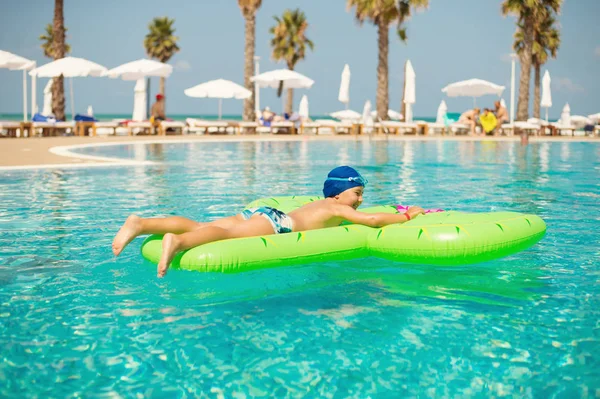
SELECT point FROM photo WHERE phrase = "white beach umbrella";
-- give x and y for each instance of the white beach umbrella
(290, 79)
(565, 116)
(90, 111)
(139, 69)
(139, 101)
(502, 103)
(47, 109)
(303, 108)
(546, 100)
(14, 62)
(69, 67)
(395, 115)
(220, 89)
(346, 114)
(344, 94)
(285, 77)
(472, 88)
(595, 117)
(441, 112)
(409, 90)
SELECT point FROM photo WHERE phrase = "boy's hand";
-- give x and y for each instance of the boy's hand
(415, 211)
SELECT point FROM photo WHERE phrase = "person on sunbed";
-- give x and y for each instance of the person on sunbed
(343, 190)
(157, 112)
(470, 118)
(488, 121)
(501, 113)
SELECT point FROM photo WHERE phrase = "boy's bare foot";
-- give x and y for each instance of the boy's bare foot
(170, 245)
(127, 232)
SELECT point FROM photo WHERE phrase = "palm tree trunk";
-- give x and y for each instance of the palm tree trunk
(525, 78)
(536, 91)
(249, 104)
(161, 89)
(289, 104)
(382, 70)
(58, 87)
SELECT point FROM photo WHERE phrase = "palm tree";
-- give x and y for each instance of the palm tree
(249, 8)
(528, 12)
(546, 42)
(383, 13)
(59, 48)
(289, 44)
(48, 42)
(160, 43)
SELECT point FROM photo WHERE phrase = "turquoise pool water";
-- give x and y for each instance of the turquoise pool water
(76, 322)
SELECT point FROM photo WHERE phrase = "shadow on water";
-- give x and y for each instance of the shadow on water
(498, 283)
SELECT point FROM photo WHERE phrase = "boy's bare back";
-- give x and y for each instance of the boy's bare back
(330, 213)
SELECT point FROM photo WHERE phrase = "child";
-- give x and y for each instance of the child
(343, 191)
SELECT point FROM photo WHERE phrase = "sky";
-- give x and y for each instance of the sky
(450, 41)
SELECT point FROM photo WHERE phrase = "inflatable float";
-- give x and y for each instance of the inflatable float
(438, 237)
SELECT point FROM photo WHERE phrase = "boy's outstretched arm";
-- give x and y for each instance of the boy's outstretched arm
(377, 219)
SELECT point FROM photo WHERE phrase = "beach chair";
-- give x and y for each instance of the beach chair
(202, 126)
(561, 127)
(511, 129)
(396, 127)
(175, 127)
(282, 127)
(108, 128)
(53, 128)
(10, 129)
(143, 127)
(244, 127)
(309, 127)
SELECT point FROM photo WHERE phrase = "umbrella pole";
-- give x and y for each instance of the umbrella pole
(33, 95)
(24, 97)
(147, 98)
(546, 114)
(220, 107)
(72, 99)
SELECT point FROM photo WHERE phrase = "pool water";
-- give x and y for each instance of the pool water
(75, 321)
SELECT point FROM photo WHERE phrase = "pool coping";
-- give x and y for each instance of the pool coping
(39, 157)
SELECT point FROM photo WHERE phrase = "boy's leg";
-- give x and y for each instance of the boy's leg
(172, 243)
(135, 226)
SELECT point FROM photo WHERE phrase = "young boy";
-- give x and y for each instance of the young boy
(343, 191)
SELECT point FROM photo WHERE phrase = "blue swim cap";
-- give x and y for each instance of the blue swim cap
(341, 179)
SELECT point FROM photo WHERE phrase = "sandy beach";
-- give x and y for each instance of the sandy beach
(51, 152)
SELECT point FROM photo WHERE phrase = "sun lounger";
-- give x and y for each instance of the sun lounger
(144, 127)
(174, 126)
(11, 128)
(54, 128)
(201, 126)
(395, 127)
(312, 127)
(434, 127)
(243, 127)
(597, 130)
(109, 128)
(520, 127)
(560, 128)
(283, 127)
